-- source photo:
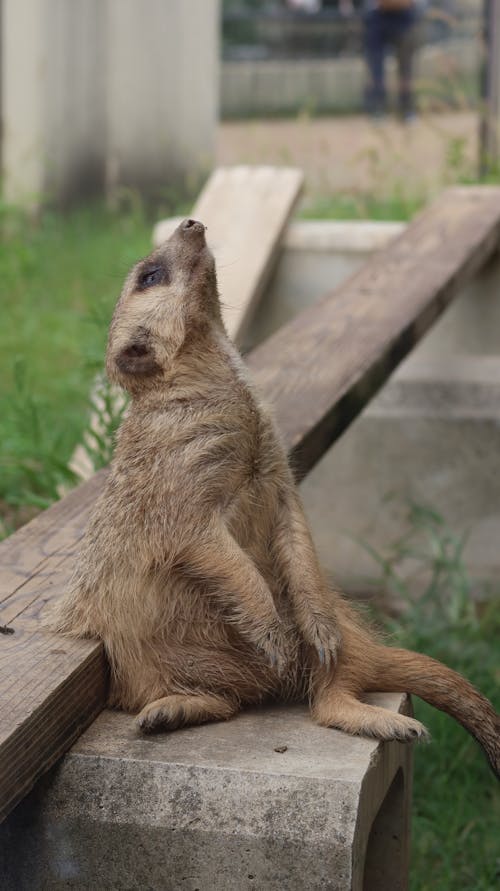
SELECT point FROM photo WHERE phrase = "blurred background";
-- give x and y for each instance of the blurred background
(98, 96)
(113, 114)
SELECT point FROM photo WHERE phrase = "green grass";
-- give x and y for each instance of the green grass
(456, 800)
(397, 205)
(60, 278)
(456, 805)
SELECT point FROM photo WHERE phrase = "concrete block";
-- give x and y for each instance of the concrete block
(433, 436)
(162, 93)
(267, 800)
(53, 140)
(316, 256)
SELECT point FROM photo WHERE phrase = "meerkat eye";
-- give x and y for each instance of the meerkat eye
(152, 277)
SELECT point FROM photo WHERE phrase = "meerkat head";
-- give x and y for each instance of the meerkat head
(169, 300)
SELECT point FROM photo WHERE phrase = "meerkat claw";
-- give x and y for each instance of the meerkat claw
(325, 643)
(274, 649)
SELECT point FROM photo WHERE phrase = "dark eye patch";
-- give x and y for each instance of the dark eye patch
(152, 276)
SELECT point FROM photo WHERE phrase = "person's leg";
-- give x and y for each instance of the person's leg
(405, 46)
(374, 51)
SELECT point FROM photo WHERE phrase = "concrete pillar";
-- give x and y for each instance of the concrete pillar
(105, 93)
(162, 101)
(22, 106)
(53, 125)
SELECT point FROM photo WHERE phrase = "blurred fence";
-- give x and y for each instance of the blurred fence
(276, 61)
(283, 34)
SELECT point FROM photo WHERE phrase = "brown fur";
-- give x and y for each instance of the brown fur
(198, 570)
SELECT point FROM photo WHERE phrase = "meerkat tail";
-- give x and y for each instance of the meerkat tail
(401, 671)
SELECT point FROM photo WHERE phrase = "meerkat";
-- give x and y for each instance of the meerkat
(197, 569)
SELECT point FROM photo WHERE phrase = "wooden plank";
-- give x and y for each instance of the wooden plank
(51, 689)
(25, 554)
(246, 210)
(318, 371)
(322, 368)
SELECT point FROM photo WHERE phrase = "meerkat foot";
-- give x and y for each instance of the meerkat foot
(344, 712)
(179, 710)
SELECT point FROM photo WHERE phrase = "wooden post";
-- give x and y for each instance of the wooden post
(489, 139)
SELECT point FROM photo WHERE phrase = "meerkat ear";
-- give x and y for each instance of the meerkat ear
(137, 358)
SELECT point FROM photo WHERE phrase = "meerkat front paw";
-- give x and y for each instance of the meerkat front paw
(273, 644)
(324, 636)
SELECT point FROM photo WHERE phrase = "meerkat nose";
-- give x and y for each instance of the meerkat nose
(193, 225)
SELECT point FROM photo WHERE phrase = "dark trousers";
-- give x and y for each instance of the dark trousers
(384, 31)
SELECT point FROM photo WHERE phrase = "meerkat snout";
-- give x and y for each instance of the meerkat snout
(194, 225)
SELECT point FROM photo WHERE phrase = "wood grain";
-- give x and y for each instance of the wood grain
(318, 371)
(50, 691)
(26, 553)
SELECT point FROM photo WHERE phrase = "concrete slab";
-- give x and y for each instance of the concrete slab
(267, 800)
(432, 436)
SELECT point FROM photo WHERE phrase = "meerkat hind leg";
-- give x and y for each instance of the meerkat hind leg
(340, 709)
(181, 710)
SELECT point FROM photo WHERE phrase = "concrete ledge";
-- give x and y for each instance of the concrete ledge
(268, 800)
(344, 236)
(451, 387)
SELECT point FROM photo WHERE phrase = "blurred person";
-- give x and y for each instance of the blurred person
(391, 24)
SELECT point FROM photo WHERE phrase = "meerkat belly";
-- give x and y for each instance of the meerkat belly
(187, 645)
